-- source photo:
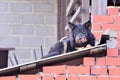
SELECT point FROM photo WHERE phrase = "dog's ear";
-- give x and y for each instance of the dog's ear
(87, 24)
(71, 25)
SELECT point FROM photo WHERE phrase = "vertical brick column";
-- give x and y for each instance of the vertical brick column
(110, 25)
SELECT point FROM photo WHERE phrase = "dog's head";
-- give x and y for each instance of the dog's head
(79, 33)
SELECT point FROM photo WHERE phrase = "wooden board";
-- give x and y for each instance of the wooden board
(99, 7)
(70, 7)
(38, 64)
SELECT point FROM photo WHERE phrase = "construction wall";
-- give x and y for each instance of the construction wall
(93, 68)
(108, 24)
(26, 25)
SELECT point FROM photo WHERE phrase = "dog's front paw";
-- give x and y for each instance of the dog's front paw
(88, 46)
(80, 48)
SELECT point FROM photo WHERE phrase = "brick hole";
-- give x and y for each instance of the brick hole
(119, 51)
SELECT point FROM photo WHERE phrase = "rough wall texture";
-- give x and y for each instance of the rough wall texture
(93, 68)
(27, 24)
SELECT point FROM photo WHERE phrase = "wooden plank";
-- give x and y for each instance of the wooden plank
(99, 7)
(85, 11)
(2, 48)
(70, 7)
(61, 18)
(53, 60)
(73, 17)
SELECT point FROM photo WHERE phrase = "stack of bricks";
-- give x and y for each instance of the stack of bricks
(102, 68)
(110, 24)
(93, 68)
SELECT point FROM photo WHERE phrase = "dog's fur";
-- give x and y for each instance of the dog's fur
(80, 36)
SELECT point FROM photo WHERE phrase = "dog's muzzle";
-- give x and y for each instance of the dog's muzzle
(82, 40)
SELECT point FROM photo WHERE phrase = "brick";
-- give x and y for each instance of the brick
(8, 78)
(99, 70)
(114, 78)
(46, 31)
(54, 69)
(112, 33)
(96, 27)
(49, 41)
(5, 29)
(78, 69)
(3, 6)
(9, 18)
(87, 78)
(73, 77)
(60, 77)
(89, 61)
(43, 7)
(29, 77)
(97, 34)
(114, 71)
(103, 78)
(100, 62)
(111, 27)
(49, 17)
(21, 7)
(23, 60)
(118, 36)
(117, 19)
(38, 53)
(23, 52)
(102, 19)
(23, 30)
(32, 19)
(113, 11)
(113, 61)
(32, 41)
(112, 43)
(112, 52)
(47, 77)
(10, 41)
(45, 50)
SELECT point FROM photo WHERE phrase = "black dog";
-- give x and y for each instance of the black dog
(80, 36)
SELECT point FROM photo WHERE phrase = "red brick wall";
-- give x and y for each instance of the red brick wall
(102, 23)
(111, 21)
(93, 68)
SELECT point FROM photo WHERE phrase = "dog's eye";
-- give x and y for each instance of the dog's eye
(78, 30)
(82, 30)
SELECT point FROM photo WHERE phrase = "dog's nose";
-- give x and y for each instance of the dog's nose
(81, 39)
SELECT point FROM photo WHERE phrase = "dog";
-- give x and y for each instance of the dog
(80, 36)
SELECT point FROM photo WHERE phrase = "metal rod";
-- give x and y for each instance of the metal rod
(15, 59)
(11, 60)
(114, 2)
(41, 51)
(35, 55)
